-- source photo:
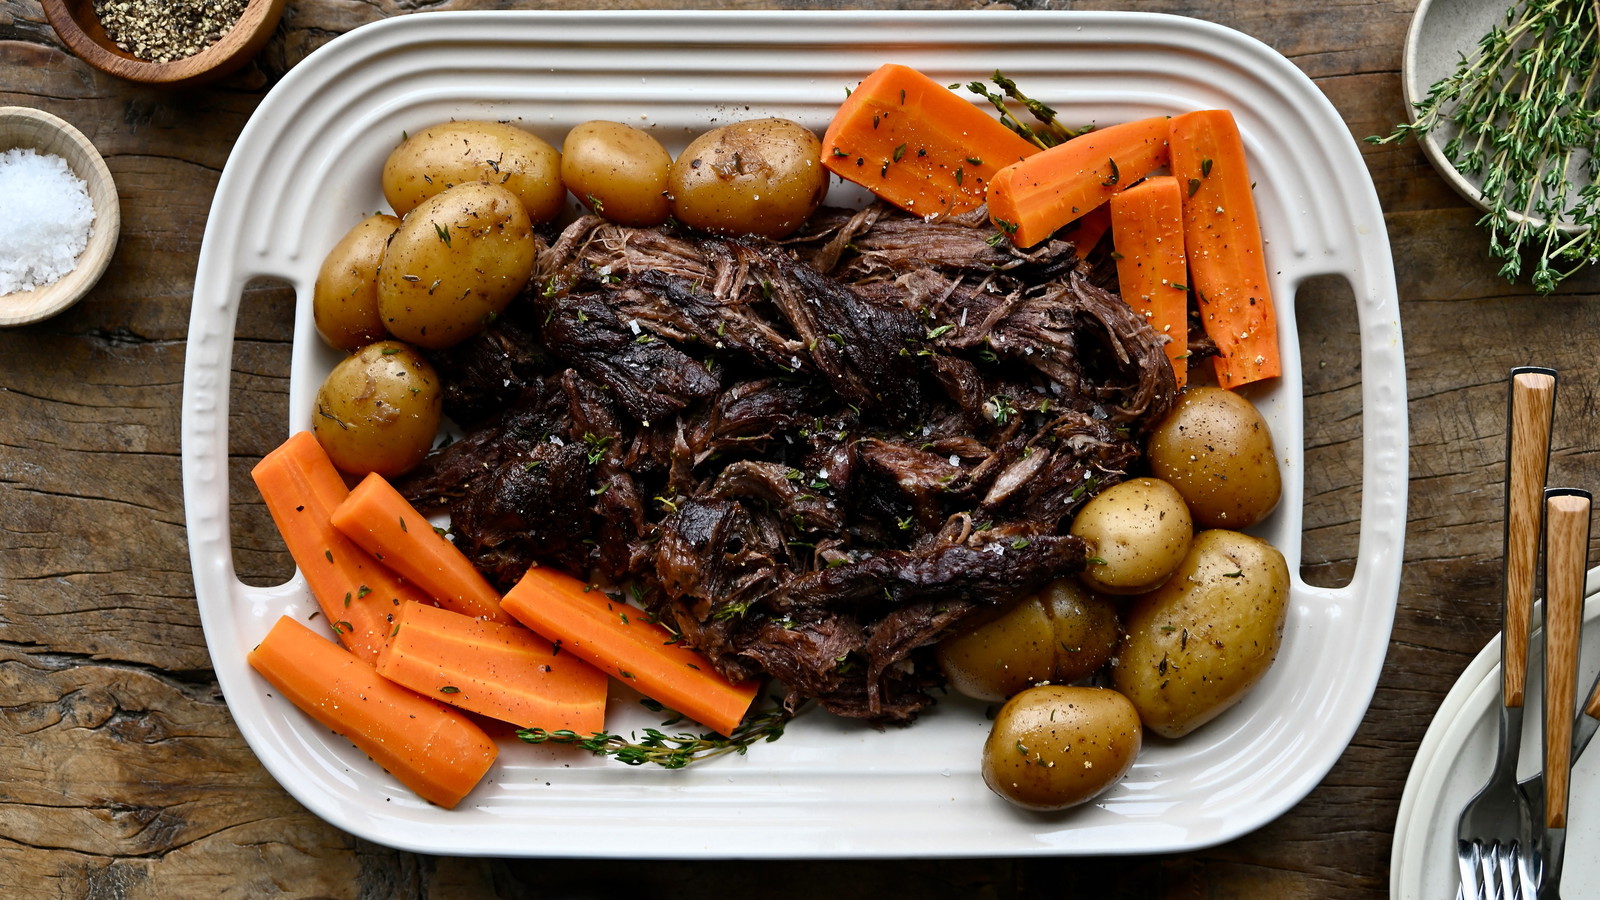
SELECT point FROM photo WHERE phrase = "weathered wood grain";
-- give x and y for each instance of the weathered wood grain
(122, 775)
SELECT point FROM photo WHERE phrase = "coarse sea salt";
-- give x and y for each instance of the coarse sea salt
(46, 218)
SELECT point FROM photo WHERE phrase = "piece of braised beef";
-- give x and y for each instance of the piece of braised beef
(650, 378)
(815, 458)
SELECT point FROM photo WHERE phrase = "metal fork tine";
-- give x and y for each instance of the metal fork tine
(1527, 866)
(1508, 867)
(1469, 855)
(1509, 853)
(1491, 872)
(1528, 873)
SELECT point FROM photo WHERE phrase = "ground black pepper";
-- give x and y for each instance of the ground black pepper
(166, 30)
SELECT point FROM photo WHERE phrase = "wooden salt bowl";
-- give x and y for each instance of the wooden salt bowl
(22, 127)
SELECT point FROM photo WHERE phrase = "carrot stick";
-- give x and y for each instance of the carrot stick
(356, 593)
(503, 671)
(1147, 230)
(1031, 199)
(618, 639)
(1088, 230)
(433, 749)
(386, 525)
(1227, 262)
(917, 144)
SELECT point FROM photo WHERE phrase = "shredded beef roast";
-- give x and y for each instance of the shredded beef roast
(812, 459)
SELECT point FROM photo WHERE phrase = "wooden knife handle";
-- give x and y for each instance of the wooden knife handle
(1566, 559)
(1532, 405)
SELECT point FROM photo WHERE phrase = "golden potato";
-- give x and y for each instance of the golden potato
(1196, 645)
(378, 410)
(619, 172)
(442, 156)
(763, 177)
(1216, 449)
(456, 262)
(1060, 633)
(1054, 747)
(344, 300)
(1138, 532)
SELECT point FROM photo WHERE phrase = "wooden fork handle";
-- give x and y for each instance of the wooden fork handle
(1566, 559)
(1532, 406)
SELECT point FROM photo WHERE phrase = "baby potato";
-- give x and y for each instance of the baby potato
(1215, 448)
(1060, 633)
(378, 410)
(442, 156)
(1138, 532)
(1052, 747)
(763, 177)
(344, 300)
(619, 172)
(456, 262)
(1196, 645)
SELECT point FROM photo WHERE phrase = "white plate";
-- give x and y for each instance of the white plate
(1457, 753)
(306, 167)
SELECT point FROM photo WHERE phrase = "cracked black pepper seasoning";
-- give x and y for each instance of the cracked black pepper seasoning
(167, 30)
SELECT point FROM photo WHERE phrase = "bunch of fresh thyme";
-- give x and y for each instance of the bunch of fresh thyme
(670, 751)
(1523, 116)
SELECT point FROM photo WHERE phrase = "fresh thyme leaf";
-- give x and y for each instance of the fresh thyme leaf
(1000, 409)
(1116, 173)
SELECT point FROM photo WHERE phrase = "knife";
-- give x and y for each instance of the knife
(1583, 731)
(1566, 552)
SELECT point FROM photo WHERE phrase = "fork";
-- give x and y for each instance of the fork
(1566, 552)
(1497, 823)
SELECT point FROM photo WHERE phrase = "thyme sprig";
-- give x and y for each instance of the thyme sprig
(1049, 130)
(1522, 115)
(652, 746)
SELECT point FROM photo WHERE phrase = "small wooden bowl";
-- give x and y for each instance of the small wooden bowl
(21, 127)
(75, 21)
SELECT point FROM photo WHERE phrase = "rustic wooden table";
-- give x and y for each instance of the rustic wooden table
(122, 774)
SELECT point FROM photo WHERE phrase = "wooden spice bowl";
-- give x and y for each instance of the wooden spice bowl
(79, 27)
(22, 127)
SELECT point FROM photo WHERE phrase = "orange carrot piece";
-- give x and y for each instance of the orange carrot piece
(356, 592)
(1147, 231)
(433, 749)
(917, 144)
(618, 639)
(1227, 262)
(503, 671)
(386, 525)
(1031, 199)
(1088, 230)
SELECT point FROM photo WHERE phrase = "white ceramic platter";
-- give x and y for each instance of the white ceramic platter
(1457, 753)
(306, 168)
